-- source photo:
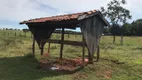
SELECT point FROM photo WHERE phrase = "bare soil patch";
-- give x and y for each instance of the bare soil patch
(62, 65)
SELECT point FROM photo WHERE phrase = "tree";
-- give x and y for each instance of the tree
(116, 13)
(137, 27)
(126, 29)
(115, 30)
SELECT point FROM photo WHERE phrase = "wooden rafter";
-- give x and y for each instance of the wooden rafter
(66, 42)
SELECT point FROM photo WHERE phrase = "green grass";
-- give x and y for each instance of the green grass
(117, 62)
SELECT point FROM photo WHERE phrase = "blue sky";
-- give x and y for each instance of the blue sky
(14, 11)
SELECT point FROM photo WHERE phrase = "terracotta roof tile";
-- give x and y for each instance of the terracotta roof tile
(58, 18)
(90, 12)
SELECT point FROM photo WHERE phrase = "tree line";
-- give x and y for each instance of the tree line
(128, 29)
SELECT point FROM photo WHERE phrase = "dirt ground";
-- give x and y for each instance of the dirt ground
(63, 65)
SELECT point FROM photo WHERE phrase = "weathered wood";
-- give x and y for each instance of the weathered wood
(42, 50)
(90, 57)
(41, 47)
(92, 29)
(70, 24)
(33, 47)
(83, 52)
(15, 34)
(74, 43)
(98, 53)
(121, 41)
(113, 39)
(72, 33)
(48, 47)
(62, 45)
(68, 36)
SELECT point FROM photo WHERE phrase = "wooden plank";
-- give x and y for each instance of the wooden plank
(83, 52)
(49, 48)
(98, 53)
(113, 39)
(68, 33)
(74, 43)
(33, 47)
(62, 45)
(41, 47)
(42, 50)
(121, 41)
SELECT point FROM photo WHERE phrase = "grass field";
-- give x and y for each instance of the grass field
(117, 62)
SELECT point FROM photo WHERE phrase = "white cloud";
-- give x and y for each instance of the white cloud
(26, 9)
(19, 10)
(135, 7)
(75, 5)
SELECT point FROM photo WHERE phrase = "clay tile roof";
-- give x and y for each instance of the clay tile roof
(89, 12)
(58, 18)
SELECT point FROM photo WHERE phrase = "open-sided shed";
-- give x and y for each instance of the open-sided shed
(91, 24)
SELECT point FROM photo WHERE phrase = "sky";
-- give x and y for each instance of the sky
(14, 11)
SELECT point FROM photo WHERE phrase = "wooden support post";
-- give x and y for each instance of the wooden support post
(41, 47)
(98, 53)
(68, 35)
(42, 50)
(62, 45)
(33, 47)
(90, 57)
(15, 34)
(49, 47)
(113, 39)
(121, 41)
(83, 52)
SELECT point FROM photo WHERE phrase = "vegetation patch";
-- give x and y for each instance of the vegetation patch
(117, 62)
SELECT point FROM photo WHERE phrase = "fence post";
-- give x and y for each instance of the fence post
(121, 39)
(15, 34)
(113, 39)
